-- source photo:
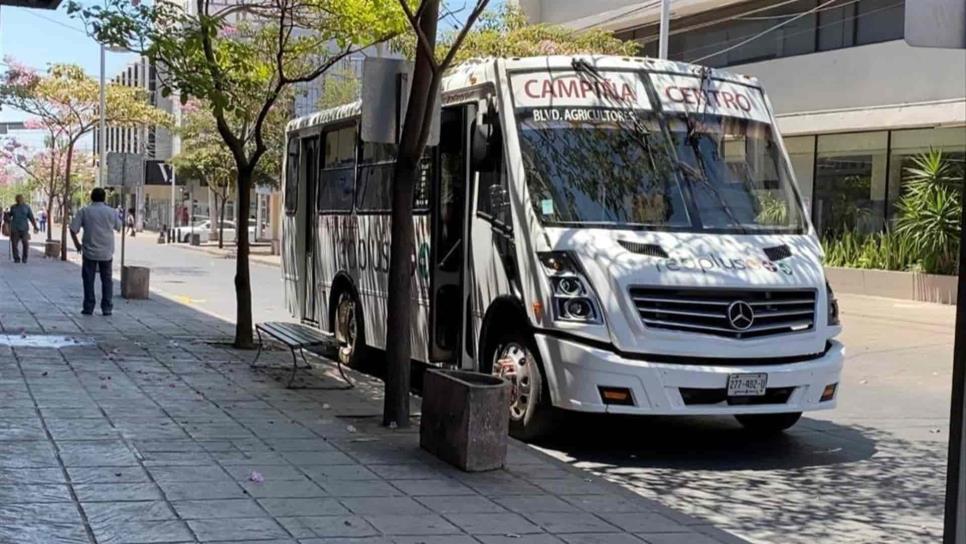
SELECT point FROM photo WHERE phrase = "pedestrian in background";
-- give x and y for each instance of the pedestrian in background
(42, 219)
(99, 222)
(130, 223)
(21, 218)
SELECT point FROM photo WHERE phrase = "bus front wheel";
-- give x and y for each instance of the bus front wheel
(515, 359)
(349, 333)
(768, 423)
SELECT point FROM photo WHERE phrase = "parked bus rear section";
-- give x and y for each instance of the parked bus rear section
(619, 235)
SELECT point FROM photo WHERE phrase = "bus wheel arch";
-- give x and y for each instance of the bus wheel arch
(507, 337)
(346, 321)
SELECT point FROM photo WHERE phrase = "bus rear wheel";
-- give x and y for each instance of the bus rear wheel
(349, 333)
(514, 358)
(768, 423)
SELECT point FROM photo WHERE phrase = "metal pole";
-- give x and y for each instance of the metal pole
(955, 519)
(173, 212)
(102, 124)
(665, 24)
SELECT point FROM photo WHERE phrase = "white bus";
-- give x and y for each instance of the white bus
(619, 235)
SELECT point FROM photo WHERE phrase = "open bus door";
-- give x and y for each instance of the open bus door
(448, 242)
(310, 217)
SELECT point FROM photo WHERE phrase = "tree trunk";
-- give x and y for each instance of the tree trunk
(52, 185)
(243, 285)
(66, 200)
(399, 305)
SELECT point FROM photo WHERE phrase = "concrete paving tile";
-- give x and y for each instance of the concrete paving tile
(113, 492)
(405, 471)
(49, 475)
(494, 524)
(605, 538)
(24, 531)
(363, 540)
(519, 539)
(24, 428)
(201, 473)
(283, 489)
(571, 522)
(81, 429)
(408, 524)
(609, 503)
(643, 522)
(321, 473)
(96, 454)
(309, 458)
(54, 512)
(27, 455)
(303, 507)
(328, 527)
(176, 458)
(105, 475)
(26, 493)
(108, 513)
(143, 532)
(359, 488)
(384, 505)
(447, 539)
(573, 486)
(299, 444)
(218, 509)
(462, 504)
(535, 504)
(678, 538)
(439, 486)
(241, 473)
(180, 491)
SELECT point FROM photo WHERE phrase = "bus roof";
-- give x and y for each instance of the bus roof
(477, 71)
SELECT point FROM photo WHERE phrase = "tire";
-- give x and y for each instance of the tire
(532, 416)
(768, 423)
(348, 329)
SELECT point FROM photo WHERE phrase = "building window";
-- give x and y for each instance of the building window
(707, 38)
(850, 182)
(801, 155)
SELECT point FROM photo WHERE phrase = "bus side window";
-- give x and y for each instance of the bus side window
(493, 182)
(292, 177)
(338, 171)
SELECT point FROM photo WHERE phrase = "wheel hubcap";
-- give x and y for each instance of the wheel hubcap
(345, 331)
(514, 363)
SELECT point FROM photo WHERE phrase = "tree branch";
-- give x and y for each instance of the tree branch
(470, 21)
(422, 40)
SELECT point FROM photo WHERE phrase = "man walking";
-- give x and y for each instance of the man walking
(21, 217)
(98, 221)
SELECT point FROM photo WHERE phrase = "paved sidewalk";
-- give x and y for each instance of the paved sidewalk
(147, 427)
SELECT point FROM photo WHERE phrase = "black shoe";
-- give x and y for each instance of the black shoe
(107, 313)
(16, 260)
(85, 312)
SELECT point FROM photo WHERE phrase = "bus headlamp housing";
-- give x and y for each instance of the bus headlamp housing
(833, 307)
(573, 299)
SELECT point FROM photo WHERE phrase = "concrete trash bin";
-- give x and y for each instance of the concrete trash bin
(465, 418)
(195, 238)
(135, 282)
(52, 249)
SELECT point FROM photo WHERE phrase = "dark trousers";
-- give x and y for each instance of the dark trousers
(19, 239)
(89, 269)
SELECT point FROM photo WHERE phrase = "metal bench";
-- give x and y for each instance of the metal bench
(296, 337)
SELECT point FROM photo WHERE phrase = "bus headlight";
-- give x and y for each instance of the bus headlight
(833, 306)
(573, 299)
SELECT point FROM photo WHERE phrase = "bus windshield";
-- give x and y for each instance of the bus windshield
(705, 173)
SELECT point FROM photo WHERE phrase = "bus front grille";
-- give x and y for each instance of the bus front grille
(733, 313)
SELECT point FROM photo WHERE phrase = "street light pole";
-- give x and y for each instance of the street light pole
(665, 23)
(102, 126)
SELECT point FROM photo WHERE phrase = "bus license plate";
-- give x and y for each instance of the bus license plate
(747, 385)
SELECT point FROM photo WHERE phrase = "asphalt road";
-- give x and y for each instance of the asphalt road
(871, 471)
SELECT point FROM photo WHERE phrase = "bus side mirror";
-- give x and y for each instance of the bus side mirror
(499, 200)
(486, 147)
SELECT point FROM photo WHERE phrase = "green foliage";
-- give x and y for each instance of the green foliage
(505, 32)
(930, 210)
(772, 210)
(926, 236)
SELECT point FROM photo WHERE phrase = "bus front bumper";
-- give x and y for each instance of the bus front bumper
(580, 375)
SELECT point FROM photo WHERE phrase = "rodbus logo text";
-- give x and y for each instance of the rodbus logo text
(712, 262)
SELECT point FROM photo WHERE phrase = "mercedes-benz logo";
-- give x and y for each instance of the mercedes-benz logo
(741, 315)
